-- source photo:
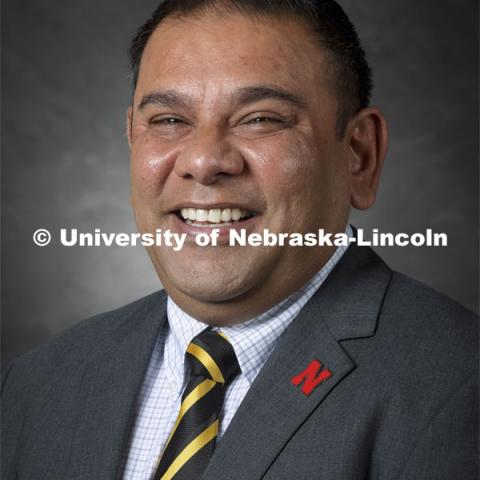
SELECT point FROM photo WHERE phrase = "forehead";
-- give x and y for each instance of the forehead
(231, 50)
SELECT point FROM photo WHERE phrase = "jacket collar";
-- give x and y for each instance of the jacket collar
(345, 307)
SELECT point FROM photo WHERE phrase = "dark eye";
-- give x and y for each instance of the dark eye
(166, 121)
(168, 126)
(258, 120)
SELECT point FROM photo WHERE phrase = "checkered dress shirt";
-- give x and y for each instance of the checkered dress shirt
(167, 375)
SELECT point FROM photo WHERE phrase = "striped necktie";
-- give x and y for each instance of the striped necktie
(212, 363)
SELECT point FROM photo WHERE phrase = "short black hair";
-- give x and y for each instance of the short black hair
(352, 74)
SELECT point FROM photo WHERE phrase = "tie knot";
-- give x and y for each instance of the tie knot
(211, 355)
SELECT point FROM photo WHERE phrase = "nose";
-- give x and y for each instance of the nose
(209, 157)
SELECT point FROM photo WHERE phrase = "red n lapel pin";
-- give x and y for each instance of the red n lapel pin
(311, 377)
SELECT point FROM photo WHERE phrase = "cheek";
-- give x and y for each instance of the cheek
(150, 167)
(290, 169)
(304, 181)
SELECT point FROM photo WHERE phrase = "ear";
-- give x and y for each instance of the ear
(367, 138)
(128, 129)
(129, 119)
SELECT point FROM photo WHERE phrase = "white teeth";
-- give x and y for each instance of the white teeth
(236, 214)
(226, 215)
(201, 215)
(214, 215)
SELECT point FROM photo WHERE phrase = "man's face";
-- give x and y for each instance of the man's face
(235, 116)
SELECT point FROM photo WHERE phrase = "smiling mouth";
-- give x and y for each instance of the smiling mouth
(214, 217)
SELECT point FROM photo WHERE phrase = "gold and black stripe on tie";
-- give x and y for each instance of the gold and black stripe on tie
(212, 363)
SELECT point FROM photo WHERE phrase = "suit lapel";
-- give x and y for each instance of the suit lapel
(108, 393)
(345, 307)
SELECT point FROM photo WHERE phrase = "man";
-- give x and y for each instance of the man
(257, 362)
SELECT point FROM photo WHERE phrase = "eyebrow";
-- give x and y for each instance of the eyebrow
(168, 98)
(241, 97)
(248, 95)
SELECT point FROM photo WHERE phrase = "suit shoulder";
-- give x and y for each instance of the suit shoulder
(417, 313)
(416, 296)
(85, 339)
(107, 323)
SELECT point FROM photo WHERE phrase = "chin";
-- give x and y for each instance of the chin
(210, 288)
(216, 283)
(210, 293)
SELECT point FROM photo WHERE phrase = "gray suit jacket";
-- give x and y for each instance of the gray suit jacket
(401, 403)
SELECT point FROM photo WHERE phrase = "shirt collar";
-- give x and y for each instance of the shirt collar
(253, 340)
(183, 329)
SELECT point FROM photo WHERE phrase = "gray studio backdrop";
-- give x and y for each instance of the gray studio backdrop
(65, 162)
